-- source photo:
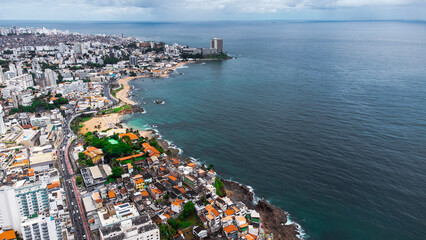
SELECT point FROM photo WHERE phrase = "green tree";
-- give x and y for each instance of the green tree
(188, 209)
(89, 163)
(117, 172)
(220, 188)
(78, 180)
(167, 232)
(81, 155)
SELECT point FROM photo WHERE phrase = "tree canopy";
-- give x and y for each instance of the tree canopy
(220, 188)
(110, 150)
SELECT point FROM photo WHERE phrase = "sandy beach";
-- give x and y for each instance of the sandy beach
(123, 94)
(104, 122)
(109, 121)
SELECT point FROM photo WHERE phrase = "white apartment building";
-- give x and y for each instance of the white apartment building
(72, 87)
(2, 126)
(9, 217)
(138, 228)
(51, 77)
(41, 227)
(23, 81)
(32, 199)
(1, 75)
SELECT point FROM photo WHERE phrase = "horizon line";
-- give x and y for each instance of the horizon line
(207, 21)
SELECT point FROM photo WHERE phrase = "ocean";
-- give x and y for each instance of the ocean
(326, 120)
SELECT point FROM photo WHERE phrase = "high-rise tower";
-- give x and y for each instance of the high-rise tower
(217, 43)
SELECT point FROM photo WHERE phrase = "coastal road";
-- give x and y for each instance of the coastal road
(78, 217)
(107, 92)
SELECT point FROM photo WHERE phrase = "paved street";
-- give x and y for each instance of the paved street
(76, 209)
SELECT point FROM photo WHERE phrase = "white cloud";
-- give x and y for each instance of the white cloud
(159, 9)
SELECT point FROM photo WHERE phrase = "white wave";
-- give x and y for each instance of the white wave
(301, 233)
(195, 160)
(182, 67)
(256, 199)
(172, 145)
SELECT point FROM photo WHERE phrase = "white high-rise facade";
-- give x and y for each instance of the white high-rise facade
(19, 71)
(32, 199)
(9, 210)
(23, 81)
(35, 65)
(50, 77)
(62, 47)
(2, 127)
(12, 68)
(78, 48)
(217, 43)
(1, 75)
(132, 60)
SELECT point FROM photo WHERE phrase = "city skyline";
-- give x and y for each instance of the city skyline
(196, 10)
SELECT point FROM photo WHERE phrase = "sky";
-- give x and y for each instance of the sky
(211, 10)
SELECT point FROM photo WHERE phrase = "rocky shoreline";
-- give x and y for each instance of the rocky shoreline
(273, 218)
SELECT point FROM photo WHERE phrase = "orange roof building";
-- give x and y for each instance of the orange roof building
(140, 184)
(111, 194)
(175, 161)
(95, 154)
(230, 229)
(53, 185)
(212, 211)
(8, 235)
(229, 212)
(132, 136)
(144, 193)
(156, 192)
(130, 157)
(152, 150)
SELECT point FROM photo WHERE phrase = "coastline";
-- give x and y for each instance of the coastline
(168, 70)
(124, 94)
(275, 219)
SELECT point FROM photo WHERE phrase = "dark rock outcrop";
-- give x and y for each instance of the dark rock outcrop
(273, 218)
(238, 192)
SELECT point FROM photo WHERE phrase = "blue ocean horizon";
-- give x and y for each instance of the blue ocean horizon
(325, 120)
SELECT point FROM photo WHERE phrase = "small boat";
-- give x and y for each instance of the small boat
(159, 102)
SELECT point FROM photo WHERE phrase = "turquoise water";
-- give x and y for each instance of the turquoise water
(325, 120)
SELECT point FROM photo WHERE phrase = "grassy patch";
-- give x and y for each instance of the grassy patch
(115, 91)
(116, 110)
